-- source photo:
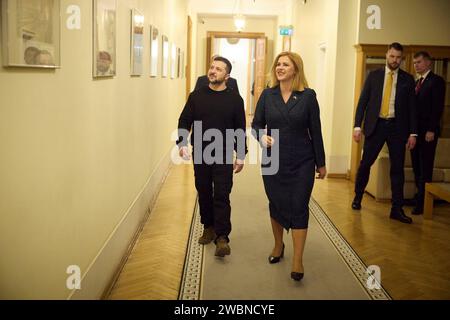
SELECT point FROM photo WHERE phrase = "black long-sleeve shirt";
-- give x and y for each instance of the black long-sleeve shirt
(220, 110)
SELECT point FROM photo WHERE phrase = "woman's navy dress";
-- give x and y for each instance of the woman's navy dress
(300, 152)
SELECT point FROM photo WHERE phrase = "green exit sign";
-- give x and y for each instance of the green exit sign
(286, 30)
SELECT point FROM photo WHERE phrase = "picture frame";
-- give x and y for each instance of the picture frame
(104, 38)
(154, 51)
(165, 57)
(31, 33)
(173, 61)
(179, 63)
(183, 66)
(137, 43)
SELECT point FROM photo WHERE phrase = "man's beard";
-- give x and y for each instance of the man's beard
(216, 81)
(392, 67)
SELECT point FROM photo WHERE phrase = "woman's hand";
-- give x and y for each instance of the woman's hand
(267, 141)
(322, 172)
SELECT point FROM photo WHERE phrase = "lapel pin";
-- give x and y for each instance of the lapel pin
(295, 97)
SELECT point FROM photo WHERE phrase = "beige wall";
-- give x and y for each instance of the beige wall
(408, 22)
(76, 152)
(215, 23)
(315, 39)
(344, 85)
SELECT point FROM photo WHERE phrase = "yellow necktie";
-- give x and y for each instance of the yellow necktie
(387, 95)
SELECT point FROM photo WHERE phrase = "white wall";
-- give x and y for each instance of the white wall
(410, 22)
(315, 39)
(248, 7)
(344, 86)
(78, 153)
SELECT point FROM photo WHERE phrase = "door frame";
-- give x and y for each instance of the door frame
(188, 56)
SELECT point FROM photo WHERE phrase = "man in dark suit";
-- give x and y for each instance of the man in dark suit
(387, 106)
(430, 96)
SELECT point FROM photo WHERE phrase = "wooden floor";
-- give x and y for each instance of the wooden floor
(153, 270)
(414, 259)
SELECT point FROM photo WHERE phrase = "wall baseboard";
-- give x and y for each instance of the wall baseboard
(337, 176)
(104, 270)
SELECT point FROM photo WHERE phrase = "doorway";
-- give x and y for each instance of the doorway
(247, 54)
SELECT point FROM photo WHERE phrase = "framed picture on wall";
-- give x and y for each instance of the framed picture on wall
(154, 51)
(179, 62)
(173, 61)
(165, 56)
(104, 46)
(31, 33)
(137, 43)
(183, 67)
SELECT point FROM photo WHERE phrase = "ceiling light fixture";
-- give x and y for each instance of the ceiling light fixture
(239, 18)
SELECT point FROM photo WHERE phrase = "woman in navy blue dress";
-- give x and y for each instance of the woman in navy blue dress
(290, 108)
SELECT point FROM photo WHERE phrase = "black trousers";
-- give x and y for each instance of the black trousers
(422, 158)
(213, 183)
(385, 131)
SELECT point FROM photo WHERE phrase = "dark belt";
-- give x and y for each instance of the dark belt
(386, 119)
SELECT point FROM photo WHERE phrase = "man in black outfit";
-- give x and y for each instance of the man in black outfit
(387, 106)
(430, 96)
(214, 110)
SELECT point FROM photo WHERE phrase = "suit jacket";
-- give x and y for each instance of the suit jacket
(430, 103)
(203, 81)
(297, 120)
(369, 104)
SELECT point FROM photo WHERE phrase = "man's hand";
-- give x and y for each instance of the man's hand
(411, 143)
(322, 172)
(184, 153)
(429, 136)
(238, 165)
(267, 141)
(357, 135)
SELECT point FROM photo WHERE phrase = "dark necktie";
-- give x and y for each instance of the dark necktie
(419, 85)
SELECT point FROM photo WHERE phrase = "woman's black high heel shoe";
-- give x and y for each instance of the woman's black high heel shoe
(297, 276)
(273, 259)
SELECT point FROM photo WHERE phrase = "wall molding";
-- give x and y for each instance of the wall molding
(337, 176)
(101, 275)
